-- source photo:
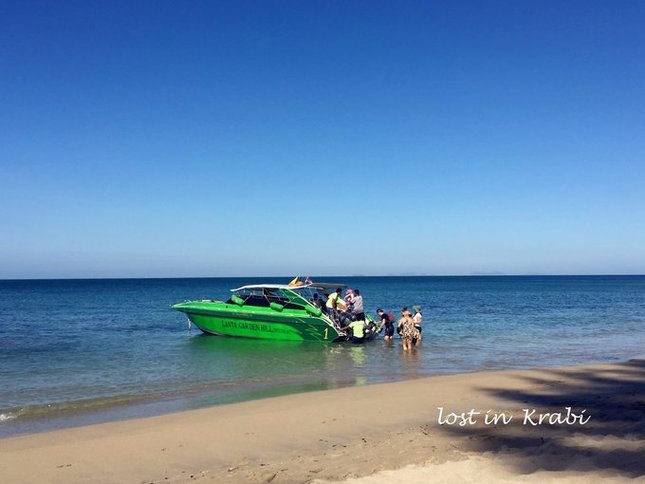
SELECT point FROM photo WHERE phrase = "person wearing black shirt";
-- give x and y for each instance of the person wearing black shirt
(387, 323)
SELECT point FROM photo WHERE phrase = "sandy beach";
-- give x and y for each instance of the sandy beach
(435, 429)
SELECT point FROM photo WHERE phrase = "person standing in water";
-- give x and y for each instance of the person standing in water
(387, 323)
(358, 331)
(418, 320)
(409, 334)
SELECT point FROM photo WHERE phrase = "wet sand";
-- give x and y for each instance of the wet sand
(372, 434)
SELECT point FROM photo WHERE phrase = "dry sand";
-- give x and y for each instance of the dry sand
(372, 434)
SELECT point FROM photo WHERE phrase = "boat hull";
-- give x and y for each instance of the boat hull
(227, 320)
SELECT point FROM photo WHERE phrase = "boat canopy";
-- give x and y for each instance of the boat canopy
(324, 285)
(262, 286)
(313, 285)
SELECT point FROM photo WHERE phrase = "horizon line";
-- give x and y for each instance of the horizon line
(326, 277)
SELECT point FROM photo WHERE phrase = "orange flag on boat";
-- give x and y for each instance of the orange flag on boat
(295, 282)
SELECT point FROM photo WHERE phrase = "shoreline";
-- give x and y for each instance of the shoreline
(133, 408)
(357, 431)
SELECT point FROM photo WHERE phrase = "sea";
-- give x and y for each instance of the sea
(75, 352)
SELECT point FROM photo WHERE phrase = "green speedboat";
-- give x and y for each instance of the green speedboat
(267, 311)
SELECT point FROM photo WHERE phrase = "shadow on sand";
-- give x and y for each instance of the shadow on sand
(612, 440)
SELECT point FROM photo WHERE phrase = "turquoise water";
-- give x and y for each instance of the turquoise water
(83, 351)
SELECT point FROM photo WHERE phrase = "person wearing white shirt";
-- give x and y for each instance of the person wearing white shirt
(418, 319)
(357, 306)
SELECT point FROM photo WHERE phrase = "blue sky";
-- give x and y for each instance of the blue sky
(158, 138)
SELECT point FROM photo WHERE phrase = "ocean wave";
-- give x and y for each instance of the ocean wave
(47, 410)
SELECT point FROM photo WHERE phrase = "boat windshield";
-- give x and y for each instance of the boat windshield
(309, 293)
(264, 296)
